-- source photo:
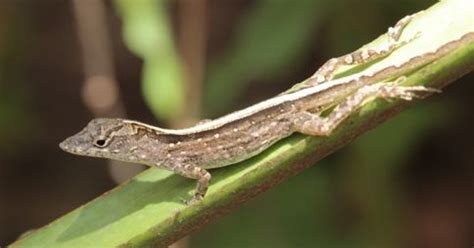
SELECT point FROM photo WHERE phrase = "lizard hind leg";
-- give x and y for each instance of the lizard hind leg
(327, 70)
(315, 125)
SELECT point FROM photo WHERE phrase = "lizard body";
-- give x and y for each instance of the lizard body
(245, 133)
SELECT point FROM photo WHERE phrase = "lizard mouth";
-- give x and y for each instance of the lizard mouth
(67, 147)
(63, 145)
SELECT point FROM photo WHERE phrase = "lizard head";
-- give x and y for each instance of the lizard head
(107, 138)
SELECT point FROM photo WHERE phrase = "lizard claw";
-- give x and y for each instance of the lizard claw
(409, 93)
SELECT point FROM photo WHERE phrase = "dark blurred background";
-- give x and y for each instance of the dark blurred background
(409, 183)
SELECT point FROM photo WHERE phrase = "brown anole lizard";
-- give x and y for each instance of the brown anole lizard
(240, 135)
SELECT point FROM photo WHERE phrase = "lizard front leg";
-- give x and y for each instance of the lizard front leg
(315, 125)
(327, 70)
(201, 175)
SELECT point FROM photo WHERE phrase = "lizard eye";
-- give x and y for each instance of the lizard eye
(101, 142)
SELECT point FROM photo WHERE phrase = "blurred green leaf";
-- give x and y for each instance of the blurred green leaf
(271, 39)
(147, 33)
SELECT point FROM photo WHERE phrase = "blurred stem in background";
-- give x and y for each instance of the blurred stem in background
(192, 39)
(100, 90)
